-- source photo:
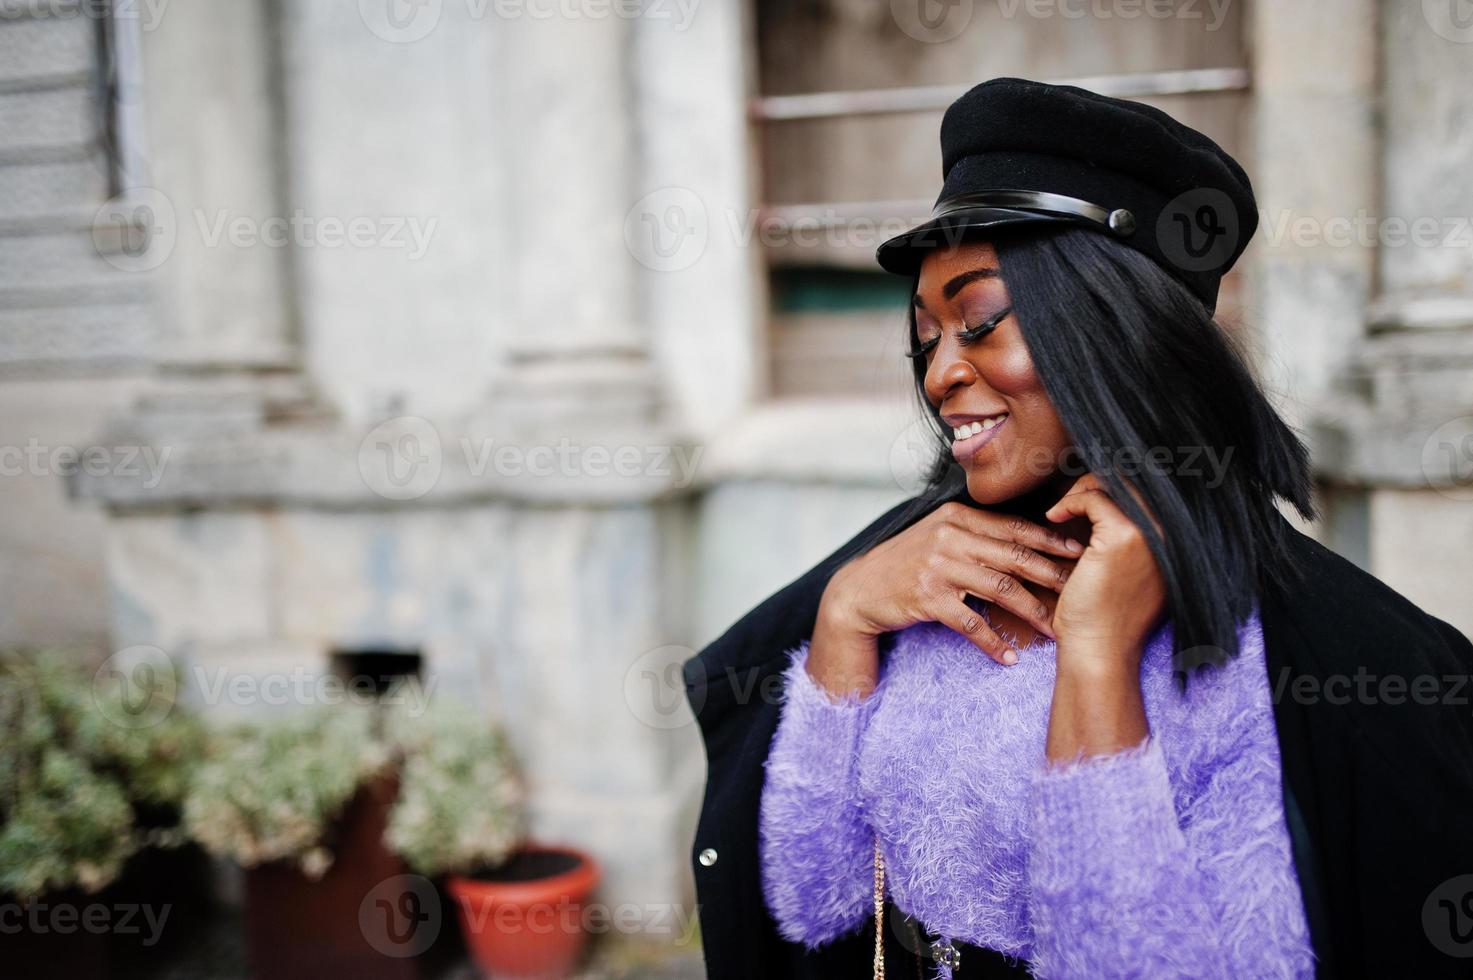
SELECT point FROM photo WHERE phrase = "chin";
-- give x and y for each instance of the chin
(987, 487)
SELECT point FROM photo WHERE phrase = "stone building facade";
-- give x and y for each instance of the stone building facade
(455, 330)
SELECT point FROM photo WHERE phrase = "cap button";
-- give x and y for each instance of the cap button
(1121, 221)
(708, 857)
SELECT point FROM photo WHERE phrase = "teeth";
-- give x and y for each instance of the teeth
(972, 428)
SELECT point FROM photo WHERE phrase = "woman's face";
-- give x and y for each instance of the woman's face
(982, 381)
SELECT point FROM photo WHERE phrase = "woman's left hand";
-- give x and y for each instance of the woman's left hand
(1116, 595)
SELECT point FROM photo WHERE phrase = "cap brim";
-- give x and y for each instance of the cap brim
(902, 254)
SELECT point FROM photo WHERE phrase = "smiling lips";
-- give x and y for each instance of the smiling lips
(972, 436)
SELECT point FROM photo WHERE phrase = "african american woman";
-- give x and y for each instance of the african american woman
(1069, 712)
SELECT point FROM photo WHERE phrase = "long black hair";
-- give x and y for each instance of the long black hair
(1133, 362)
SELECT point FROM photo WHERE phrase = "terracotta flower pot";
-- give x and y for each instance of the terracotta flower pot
(297, 928)
(525, 918)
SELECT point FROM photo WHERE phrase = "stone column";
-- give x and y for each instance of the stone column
(1363, 119)
(691, 221)
(1315, 69)
(1409, 434)
(576, 351)
(396, 169)
(211, 102)
(595, 612)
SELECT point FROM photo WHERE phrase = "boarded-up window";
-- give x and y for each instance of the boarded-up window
(848, 117)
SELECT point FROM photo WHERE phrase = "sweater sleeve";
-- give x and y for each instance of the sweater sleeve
(816, 846)
(1121, 885)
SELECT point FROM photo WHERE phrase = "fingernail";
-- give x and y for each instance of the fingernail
(1010, 656)
(1074, 546)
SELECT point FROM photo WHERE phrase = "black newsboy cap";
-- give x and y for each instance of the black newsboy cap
(1015, 151)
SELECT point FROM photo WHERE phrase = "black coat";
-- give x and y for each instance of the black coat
(1378, 772)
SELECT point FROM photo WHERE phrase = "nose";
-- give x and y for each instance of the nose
(947, 372)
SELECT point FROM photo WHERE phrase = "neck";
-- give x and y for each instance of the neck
(1036, 502)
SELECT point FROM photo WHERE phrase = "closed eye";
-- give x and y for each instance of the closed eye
(970, 335)
(923, 349)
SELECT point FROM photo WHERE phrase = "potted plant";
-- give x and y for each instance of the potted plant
(301, 802)
(87, 792)
(460, 814)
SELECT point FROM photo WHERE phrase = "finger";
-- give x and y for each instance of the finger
(961, 617)
(1090, 482)
(1005, 590)
(1096, 506)
(1019, 560)
(1010, 527)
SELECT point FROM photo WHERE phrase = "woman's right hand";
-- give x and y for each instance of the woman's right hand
(923, 574)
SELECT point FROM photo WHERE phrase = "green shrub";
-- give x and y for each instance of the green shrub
(270, 791)
(460, 806)
(74, 774)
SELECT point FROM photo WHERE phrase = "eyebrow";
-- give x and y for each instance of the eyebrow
(957, 283)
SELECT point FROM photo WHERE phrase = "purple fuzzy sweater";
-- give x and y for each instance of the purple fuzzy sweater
(1168, 860)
